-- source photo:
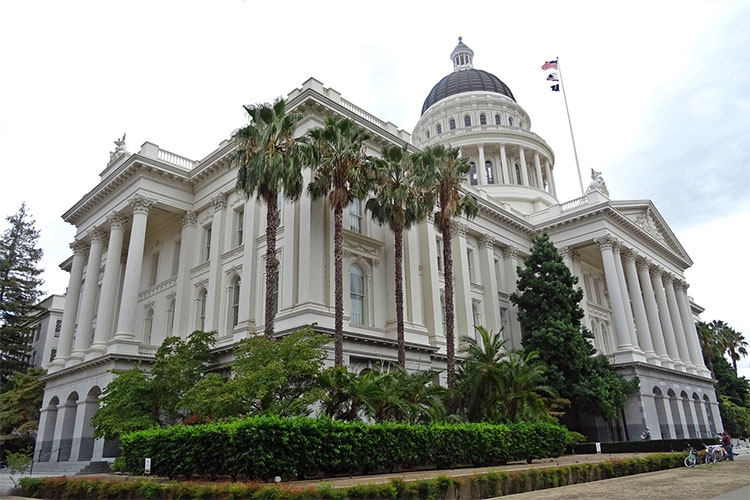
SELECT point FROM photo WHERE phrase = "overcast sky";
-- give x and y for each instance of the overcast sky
(659, 96)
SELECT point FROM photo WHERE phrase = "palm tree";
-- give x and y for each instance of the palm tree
(336, 155)
(717, 338)
(443, 171)
(498, 385)
(398, 201)
(269, 161)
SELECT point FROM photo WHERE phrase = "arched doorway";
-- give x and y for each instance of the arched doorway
(86, 450)
(707, 406)
(700, 414)
(689, 415)
(49, 430)
(673, 405)
(661, 413)
(68, 426)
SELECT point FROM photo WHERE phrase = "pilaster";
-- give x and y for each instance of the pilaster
(188, 243)
(510, 255)
(489, 281)
(219, 205)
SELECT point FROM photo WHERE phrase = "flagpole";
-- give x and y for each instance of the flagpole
(570, 124)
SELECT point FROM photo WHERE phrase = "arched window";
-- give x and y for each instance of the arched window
(355, 216)
(452, 124)
(510, 121)
(357, 295)
(498, 121)
(235, 313)
(490, 172)
(202, 297)
(482, 119)
(148, 324)
(473, 174)
(518, 175)
(467, 121)
(428, 134)
(439, 129)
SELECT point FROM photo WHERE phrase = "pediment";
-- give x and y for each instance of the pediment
(646, 218)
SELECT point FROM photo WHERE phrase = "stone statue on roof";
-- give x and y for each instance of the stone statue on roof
(597, 183)
(119, 149)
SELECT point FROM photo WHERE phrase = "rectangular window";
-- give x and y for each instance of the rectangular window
(206, 243)
(470, 259)
(355, 216)
(279, 205)
(239, 224)
(439, 246)
(597, 292)
(442, 309)
(154, 267)
(498, 274)
(476, 313)
(176, 257)
(276, 293)
(38, 333)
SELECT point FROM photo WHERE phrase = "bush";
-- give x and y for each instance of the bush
(264, 447)
(487, 485)
(651, 446)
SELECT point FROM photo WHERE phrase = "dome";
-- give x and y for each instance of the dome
(466, 80)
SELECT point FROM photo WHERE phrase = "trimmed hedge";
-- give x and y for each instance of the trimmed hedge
(486, 485)
(264, 447)
(650, 446)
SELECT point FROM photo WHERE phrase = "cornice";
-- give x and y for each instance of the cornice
(136, 165)
(606, 210)
(662, 370)
(101, 360)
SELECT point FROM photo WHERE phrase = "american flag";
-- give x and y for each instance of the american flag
(549, 65)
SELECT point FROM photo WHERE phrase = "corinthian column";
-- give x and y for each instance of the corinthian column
(106, 312)
(639, 309)
(674, 314)
(510, 255)
(91, 287)
(188, 243)
(524, 170)
(652, 313)
(71, 306)
(688, 326)
(625, 297)
(489, 280)
(133, 266)
(665, 318)
(622, 331)
(694, 347)
(219, 204)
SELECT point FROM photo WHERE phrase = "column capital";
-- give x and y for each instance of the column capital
(606, 242)
(566, 252)
(219, 202)
(629, 254)
(97, 235)
(79, 247)
(510, 252)
(655, 269)
(668, 278)
(141, 204)
(487, 241)
(117, 220)
(189, 219)
(641, 261)
(459, 228)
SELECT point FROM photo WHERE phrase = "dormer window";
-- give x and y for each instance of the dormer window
(482, 119)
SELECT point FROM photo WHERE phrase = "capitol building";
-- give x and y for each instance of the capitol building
(166, 245)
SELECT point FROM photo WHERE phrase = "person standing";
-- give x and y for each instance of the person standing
(726, 441)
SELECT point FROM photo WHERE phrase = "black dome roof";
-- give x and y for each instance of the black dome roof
(468, 80)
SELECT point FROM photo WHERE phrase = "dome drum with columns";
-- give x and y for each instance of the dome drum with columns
(476, 112)
(165, 245)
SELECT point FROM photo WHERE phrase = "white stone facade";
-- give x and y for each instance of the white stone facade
(45, 331)
(166, 245)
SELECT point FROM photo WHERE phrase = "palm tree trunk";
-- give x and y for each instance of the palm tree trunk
(398, 255)
(450, 346)
(338, 244)
(271, 263)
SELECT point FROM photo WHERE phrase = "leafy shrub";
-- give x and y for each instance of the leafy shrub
(263, 447)
(486, 485)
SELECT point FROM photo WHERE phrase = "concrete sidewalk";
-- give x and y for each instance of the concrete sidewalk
(720, 481)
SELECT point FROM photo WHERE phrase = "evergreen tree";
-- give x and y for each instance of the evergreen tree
(19, 291)
(548, 310)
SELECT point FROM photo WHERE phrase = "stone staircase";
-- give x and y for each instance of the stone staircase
(49, 469)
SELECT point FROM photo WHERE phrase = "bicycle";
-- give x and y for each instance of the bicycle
(692, 459)
(715, 453)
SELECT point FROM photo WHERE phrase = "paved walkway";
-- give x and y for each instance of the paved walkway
(721, 481)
